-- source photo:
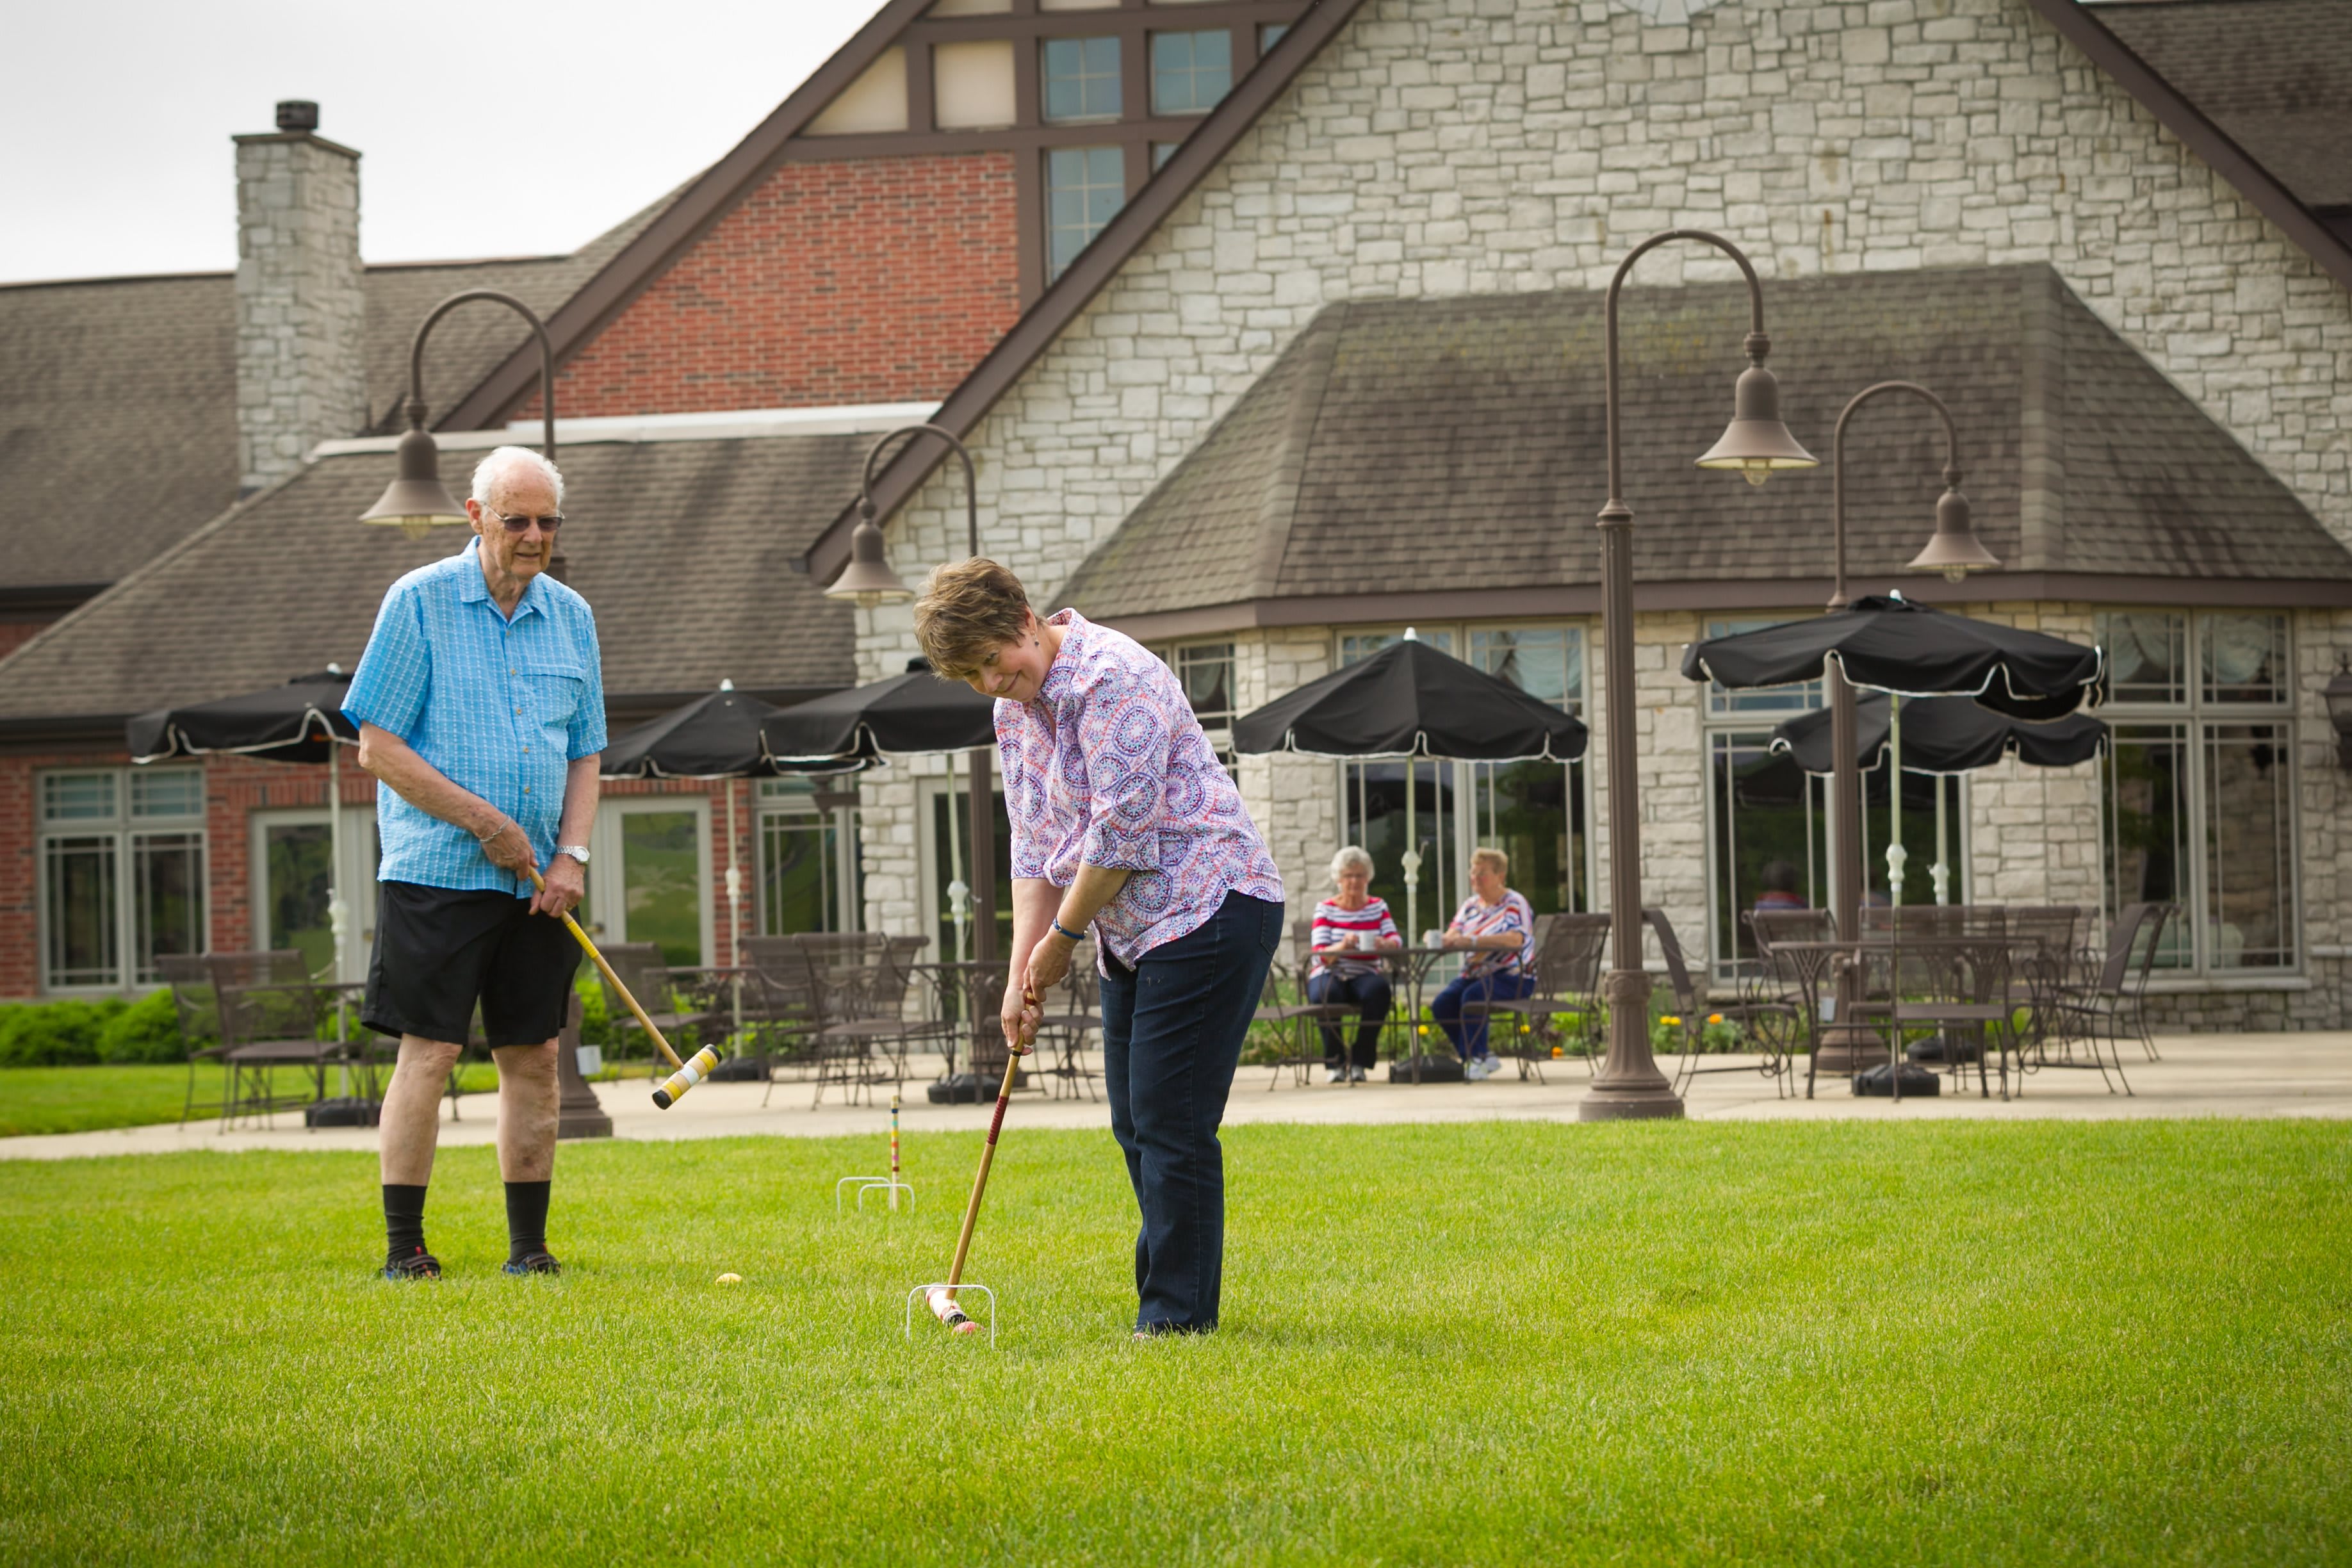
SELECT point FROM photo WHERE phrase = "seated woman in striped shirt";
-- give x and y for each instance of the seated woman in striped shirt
(1493, 925)
(1354, 923)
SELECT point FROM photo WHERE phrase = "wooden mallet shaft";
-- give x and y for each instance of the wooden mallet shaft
(979, 1182)
(683, 1077)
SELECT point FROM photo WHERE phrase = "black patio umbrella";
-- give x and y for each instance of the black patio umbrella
(712, 737)
(1887, 642)
(916, 711)
(288, 723)
(1942, 735)
(1411, 701)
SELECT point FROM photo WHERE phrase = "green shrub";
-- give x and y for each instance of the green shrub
(146, 1031)
(54, 1033)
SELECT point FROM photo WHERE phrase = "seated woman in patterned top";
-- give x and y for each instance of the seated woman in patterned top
(1493, 925)
(1354, 923)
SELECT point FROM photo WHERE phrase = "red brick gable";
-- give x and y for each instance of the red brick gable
(856, 280)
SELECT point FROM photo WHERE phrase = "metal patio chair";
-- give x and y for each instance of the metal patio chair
(1770, 1026)
(1569, 951)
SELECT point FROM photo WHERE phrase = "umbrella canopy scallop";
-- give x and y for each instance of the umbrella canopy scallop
(1411, 701)
(712, 737)
(289, 723)
(917, 712)
(1941, 735)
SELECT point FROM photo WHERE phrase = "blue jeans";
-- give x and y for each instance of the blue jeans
(1173, 1031)
(1469, 1035)
(1370, 995)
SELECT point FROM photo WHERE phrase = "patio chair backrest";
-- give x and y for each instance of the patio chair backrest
(194, 995)
(1678, 974)
(2152, 940)
(1772, 926)
(1567, 962)
(2044, 933)
(283, 1011)
(2122, 938)
(781, 963)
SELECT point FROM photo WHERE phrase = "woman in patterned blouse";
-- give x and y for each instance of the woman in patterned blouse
(1352, 923)
(1124, 821)
(1493, 926)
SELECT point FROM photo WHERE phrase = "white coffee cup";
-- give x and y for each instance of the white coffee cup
(1365, 940)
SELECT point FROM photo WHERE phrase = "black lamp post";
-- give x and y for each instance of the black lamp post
(2338, 694)
(416, 500)
(1955, 551)
(1757, 444)
(868, 581)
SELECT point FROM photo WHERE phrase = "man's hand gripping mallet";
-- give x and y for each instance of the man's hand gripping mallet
(689, 1073)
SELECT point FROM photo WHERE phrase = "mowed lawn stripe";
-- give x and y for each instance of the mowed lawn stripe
(1481, 1342)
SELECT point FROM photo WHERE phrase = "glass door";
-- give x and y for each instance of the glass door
(650, 875)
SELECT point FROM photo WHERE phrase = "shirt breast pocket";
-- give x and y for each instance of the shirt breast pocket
(555, 687)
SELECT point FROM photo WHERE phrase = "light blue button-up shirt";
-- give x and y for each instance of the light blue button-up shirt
(499, 706)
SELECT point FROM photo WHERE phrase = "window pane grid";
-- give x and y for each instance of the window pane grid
(1085, 188)
(1081, 79)
(1723, 702)
(1191, 71)
(78, 885)
(77, 797)
(115, 898)
(168, 891)
(2249, 852)
(167, 793)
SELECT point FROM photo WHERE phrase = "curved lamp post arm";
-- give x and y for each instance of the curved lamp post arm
(971, 478)
(1837, 467)
(416, 409)
(1758, 345)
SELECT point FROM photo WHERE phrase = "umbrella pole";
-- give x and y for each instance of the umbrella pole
(734, 916)
(1894, 859)
(959, 891)
(1943, 871)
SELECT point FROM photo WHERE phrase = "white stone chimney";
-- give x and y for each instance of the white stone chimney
(300, 368)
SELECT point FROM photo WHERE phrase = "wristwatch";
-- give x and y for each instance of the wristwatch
(577, 851)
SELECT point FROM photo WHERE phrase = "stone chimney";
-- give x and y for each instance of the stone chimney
(300, 368)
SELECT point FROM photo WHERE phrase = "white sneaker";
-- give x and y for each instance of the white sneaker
(1356, 1075)
(1476, 1068)
(1335, 1075)
(1488, 1066)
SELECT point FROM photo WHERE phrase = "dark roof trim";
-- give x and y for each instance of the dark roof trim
(47, 599)
(686, 219)
(1496, 604)
(1097, 265)
(2080, 28)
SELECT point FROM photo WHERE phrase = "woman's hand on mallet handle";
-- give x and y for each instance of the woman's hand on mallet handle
(1049, 962)
(1020, 1018)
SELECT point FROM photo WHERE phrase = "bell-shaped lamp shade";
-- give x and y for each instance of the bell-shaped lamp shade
(417, 501)
(2338, 696)
(1756, 442)
(867, 579)
(1955, 550)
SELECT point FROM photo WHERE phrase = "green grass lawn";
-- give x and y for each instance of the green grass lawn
(91, 1099)
(2125, 1342)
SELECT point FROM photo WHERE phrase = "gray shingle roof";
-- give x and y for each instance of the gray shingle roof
(2274, 75)
(1457, 444)
(684, 549)
(118, 397)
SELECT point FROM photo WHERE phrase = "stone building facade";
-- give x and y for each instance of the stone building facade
(1457, 147)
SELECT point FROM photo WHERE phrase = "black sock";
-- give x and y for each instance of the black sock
(403, 1221)
(526, 1219)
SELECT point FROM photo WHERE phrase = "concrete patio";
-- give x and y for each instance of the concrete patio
(2199, 1075)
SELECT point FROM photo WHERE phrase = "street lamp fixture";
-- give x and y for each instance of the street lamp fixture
(868, 581)
(1757, 444)
(416, 501)
(2339, 693)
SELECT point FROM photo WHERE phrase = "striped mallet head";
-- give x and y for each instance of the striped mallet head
(697, 1068)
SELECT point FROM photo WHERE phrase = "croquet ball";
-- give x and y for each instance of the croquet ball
(730, 1279)
(967, 1327)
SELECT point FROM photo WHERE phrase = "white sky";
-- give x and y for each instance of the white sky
(489, 127)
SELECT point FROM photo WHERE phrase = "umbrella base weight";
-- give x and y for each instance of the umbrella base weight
(345, 1112)
(1426, 1069)
(1850, 1051)
(967, 1088)
(739, 1069)
(1879, 1081)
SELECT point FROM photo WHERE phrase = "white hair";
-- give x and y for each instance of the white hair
(501, 465)
(1351, 858)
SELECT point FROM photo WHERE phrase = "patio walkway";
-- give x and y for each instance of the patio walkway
(2201, 1075)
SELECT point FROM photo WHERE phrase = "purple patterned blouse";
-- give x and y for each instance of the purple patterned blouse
(1109, 767)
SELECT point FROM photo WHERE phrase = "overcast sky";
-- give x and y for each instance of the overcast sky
(489, 126)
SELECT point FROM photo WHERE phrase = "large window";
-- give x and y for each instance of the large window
(1535, 812)
(2198, 792)
(810, 876)
(122, 875)
(1080, 80)
(1768, 820)
(1191, 71)
(1085, 188)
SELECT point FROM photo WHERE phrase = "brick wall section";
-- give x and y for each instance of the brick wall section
(1443, 147)
(15, 634)
(863, 280)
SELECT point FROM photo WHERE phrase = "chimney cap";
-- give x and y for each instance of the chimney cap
(297, 115)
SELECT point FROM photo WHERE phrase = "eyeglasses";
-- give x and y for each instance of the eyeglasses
(547, 524)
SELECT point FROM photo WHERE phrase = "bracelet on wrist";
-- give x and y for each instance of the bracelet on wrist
(1064, 930)
(493, 833)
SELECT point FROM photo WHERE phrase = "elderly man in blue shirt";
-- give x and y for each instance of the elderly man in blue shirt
(480, 704)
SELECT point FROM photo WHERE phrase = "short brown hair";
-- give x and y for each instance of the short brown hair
(968, 610)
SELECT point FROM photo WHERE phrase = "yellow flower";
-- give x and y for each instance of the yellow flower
(1669, 1019)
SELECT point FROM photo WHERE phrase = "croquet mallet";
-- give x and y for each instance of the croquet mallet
(689, 1073)
(941, 1298)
